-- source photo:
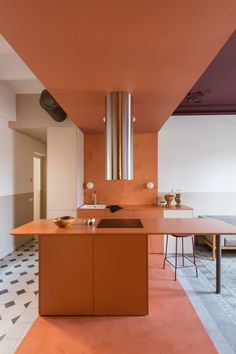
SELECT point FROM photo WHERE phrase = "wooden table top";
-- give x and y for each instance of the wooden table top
(197, 226)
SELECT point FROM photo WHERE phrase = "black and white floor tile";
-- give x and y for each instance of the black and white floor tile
(18, 295)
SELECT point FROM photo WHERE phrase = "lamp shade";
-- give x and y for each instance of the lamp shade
(89, 185)
(150, 185)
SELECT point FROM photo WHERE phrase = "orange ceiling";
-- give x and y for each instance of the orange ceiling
(79, 50)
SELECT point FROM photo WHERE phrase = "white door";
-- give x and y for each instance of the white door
(37, 188)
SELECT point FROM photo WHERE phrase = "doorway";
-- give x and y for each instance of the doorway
(37, 187)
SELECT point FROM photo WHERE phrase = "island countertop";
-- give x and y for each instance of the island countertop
(159, 226)
(100, 256)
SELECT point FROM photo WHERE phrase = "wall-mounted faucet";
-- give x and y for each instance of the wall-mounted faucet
(94, 198)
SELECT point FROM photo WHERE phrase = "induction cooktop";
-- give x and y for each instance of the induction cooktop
(120, 223)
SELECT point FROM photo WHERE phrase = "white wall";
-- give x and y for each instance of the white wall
(198, 155)
(6, 188)
(16, 168)
(24, 149)
(6, 158)
(7, 102)
(32, 119)
(7, 111)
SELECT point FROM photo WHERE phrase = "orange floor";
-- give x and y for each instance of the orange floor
(172, 326)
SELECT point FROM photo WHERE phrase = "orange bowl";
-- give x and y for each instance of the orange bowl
(64, 221)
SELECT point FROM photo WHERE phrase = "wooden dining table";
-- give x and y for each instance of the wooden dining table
(198, 227)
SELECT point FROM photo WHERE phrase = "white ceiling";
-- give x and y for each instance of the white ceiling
(15, 72)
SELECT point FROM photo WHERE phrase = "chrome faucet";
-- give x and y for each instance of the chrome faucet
(94, 198)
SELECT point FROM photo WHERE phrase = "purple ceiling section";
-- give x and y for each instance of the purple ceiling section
(215, 91)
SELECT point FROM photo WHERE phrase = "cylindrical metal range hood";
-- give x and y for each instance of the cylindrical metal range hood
(119, 136)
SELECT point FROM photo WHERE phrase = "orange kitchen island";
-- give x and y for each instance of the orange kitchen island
(85, 270)
(85, 273)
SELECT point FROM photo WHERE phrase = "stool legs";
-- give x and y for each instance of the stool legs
(175, 264)
(176, 256)
(194, 258)
(166, 249)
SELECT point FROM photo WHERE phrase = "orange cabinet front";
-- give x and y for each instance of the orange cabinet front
(120, 275)
(66, 275)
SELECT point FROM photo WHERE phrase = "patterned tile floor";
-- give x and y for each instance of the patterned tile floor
(18, 295)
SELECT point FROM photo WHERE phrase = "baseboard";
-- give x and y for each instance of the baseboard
(13, 248)
(7, 252)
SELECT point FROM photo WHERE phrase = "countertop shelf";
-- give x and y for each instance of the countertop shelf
(143, 207)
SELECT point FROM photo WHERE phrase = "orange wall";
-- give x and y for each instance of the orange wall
(121, 192)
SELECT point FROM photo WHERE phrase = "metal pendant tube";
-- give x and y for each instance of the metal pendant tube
(119, 136)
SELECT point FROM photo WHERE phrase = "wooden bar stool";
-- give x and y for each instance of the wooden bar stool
(175, 265)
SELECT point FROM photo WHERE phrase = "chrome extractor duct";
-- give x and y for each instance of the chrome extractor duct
(119, 136)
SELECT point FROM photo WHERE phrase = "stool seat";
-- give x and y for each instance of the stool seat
(182, 236)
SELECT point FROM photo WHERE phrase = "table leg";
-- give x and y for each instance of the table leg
(218, 265)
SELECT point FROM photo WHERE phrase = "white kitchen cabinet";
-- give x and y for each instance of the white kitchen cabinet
(64, 171)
